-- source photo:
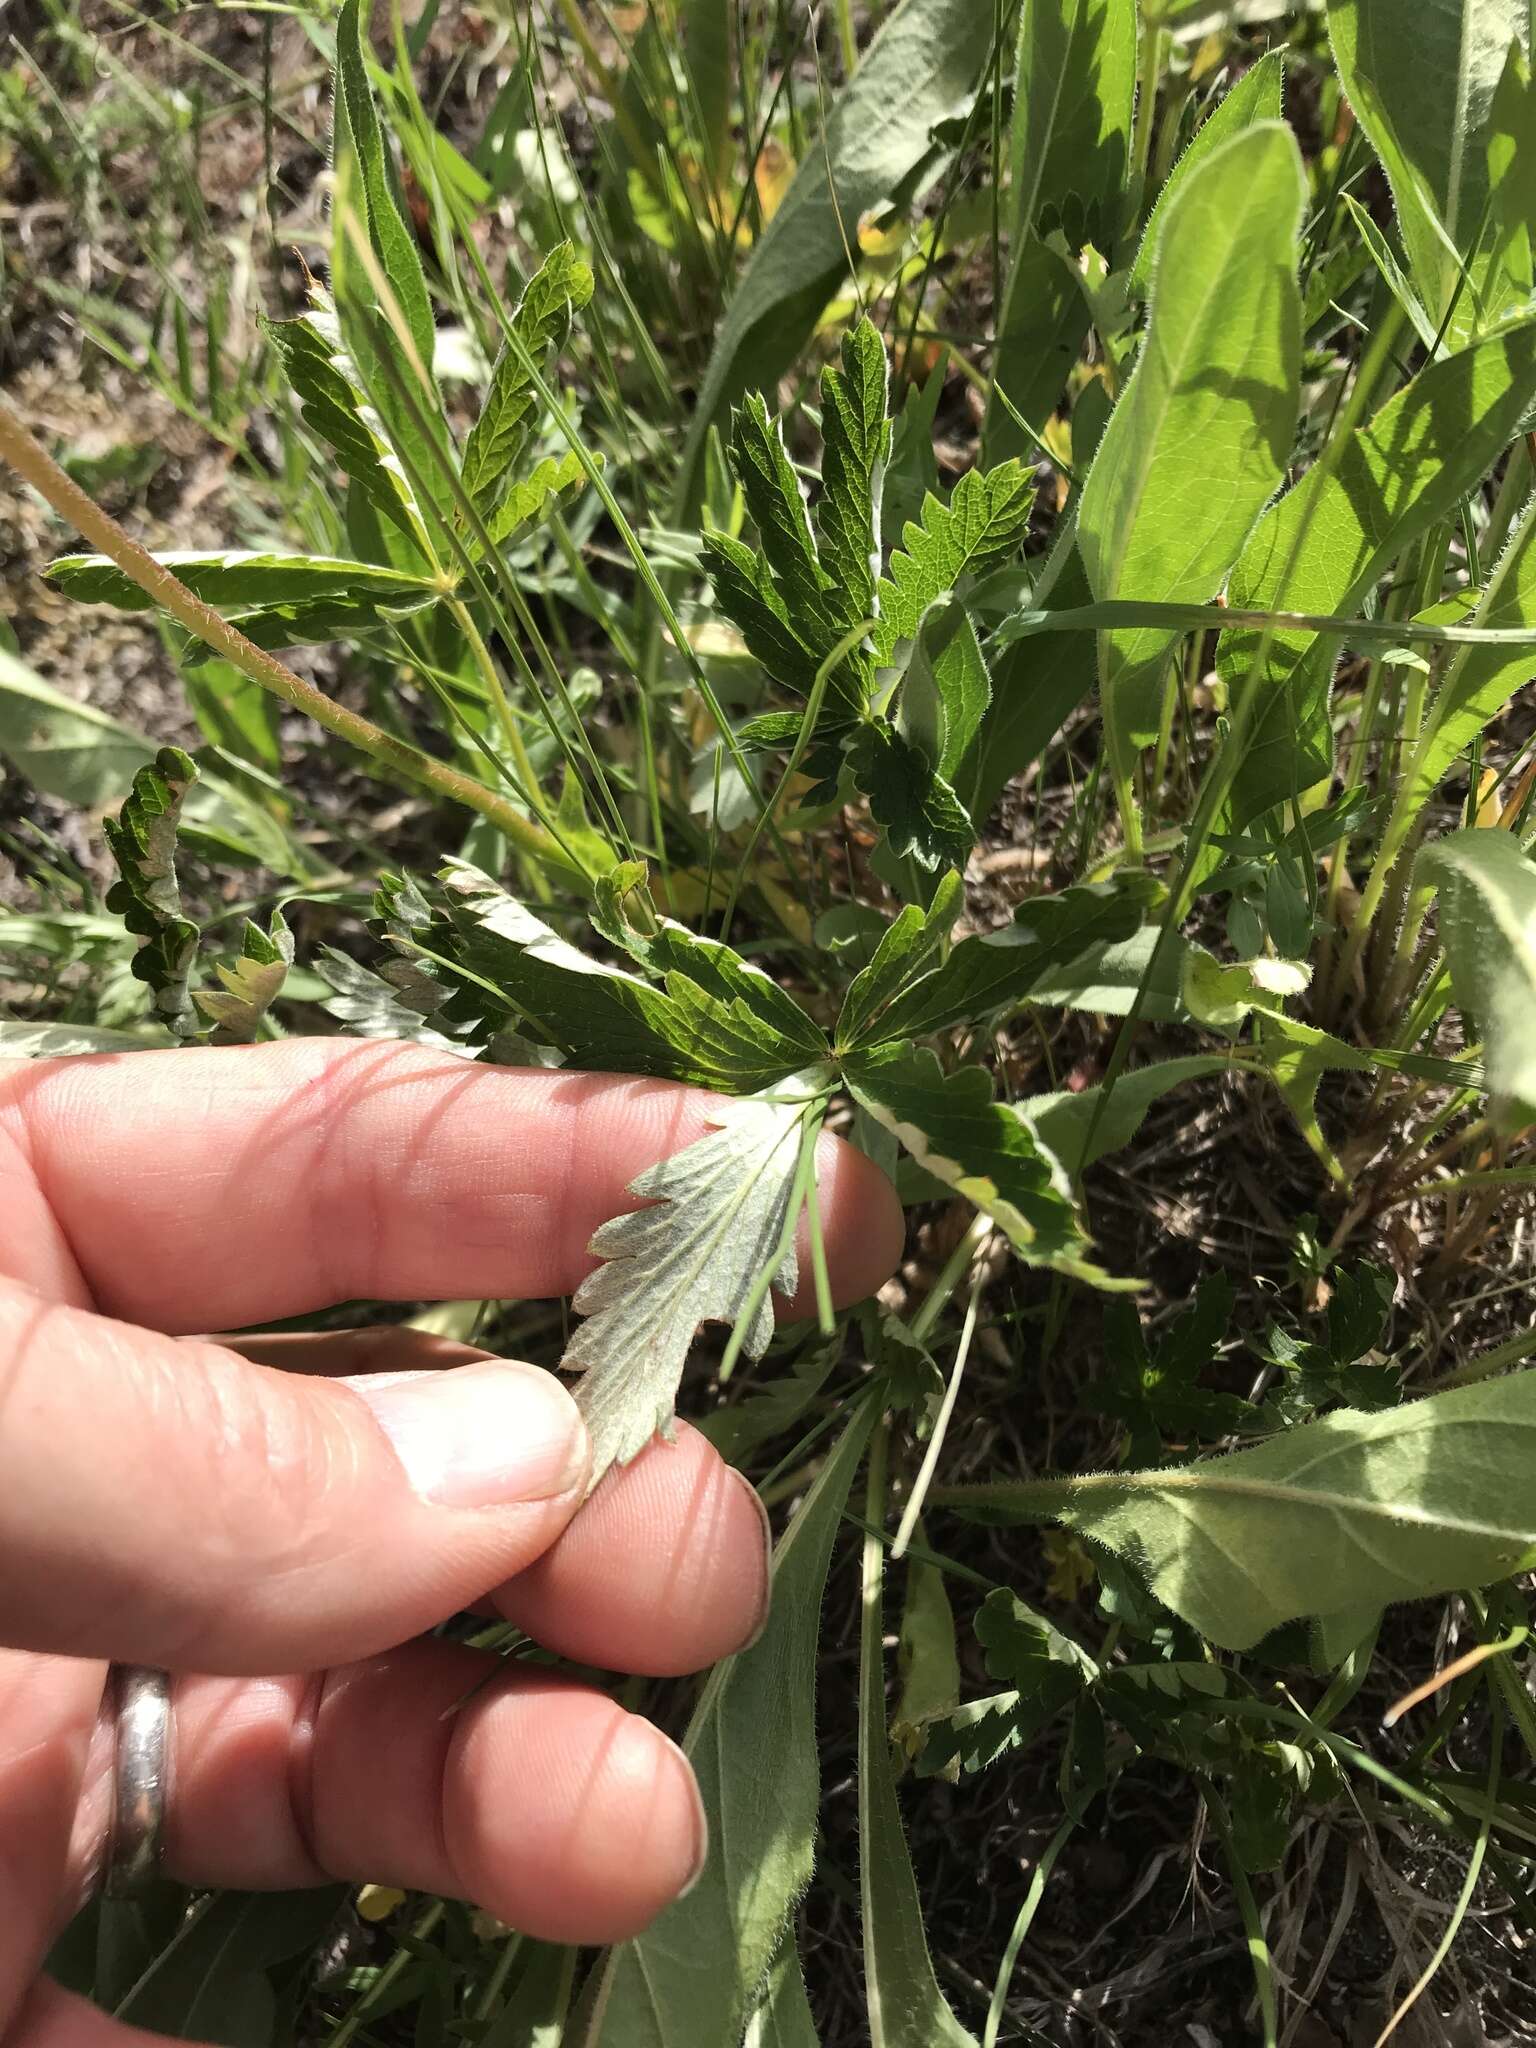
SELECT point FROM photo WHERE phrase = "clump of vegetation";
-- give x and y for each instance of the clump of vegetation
(966, 576)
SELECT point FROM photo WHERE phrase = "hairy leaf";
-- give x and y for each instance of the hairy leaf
(981, 1148)
(981, 526)
(1045, 321)
(1065, 1119)
(696, 1972)
(1396, 1505)
(921, 63)
(1327, 542)
(146, 896)
(1255, 97)
(1202, 435)
(1074, 96)
(921, 814)
(1425, 101)
(782, 2018)
(1486, 885)
(906, 2008)
(562, 284)
(715, 1223)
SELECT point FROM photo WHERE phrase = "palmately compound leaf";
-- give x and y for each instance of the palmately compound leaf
(541, 324)
(715, 1222)
(1487, 892)
(981, 1148)
(146, 896)
(980, 527)
(1351, 1509)
(252, 985)
(1043, 1671)
(906, 946)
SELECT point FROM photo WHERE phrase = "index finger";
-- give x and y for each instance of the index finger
(216, 1187)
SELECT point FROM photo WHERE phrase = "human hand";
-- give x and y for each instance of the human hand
(167, 1500)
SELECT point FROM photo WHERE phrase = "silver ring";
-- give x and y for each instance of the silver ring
(141, 1777)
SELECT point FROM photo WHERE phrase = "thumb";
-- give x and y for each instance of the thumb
(170, 1503)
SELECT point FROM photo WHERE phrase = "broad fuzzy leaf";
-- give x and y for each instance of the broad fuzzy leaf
(1045, 321)
(1063, 1120)
(1202, 435)
(238, 580)
(252, 985)
(1074, 97)
(1327, 542)
(714, 1222)
(1397, 1505)
(856, 441)
(922, 62)
(782, 2017)
(696, 1972)
(146, 896)
(906, 2008)
(1425, 101)
(1255, 97)
(981, 526)
(981, 1148)
(921, 814)
(541, 324)
(1487, 892)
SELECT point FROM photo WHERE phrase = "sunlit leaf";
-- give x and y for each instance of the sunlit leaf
(1486, 885)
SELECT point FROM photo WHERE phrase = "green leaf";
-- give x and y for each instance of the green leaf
(856, 442)
(906, 946)
(1045, 321)
(213, 1982)
(921, 64)
(945, 689)
(782, 2017)
(1106, 979)
(599, 1016)
(981, 526)
(1043, 1670)
(906, 2008)
(986, 976)
(1486, 886)
(1478, 681)
(1157, 1393)
(1425, 100)
(142, 841)
(376, 194)
(1512, 173)
(534, 2014)
(1398, 1505)
(237, 579)
(335, 407)
(926, 1657)
(1070, 144)
(541, 324)
(982, 1149)
(1036, 684)
(1202, 434)
(525, 499)
(673, 954)
(252, 985)
(1063, 1120)
(1255, 97)
(746, 592)
(714, 1224)
(696, 1972)
(920, 813)
(1325, 545)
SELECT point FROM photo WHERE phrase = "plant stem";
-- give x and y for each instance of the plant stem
(36, 467)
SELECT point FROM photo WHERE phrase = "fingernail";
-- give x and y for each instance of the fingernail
(700, 1819)
(480, 1436)
(765, 1604)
